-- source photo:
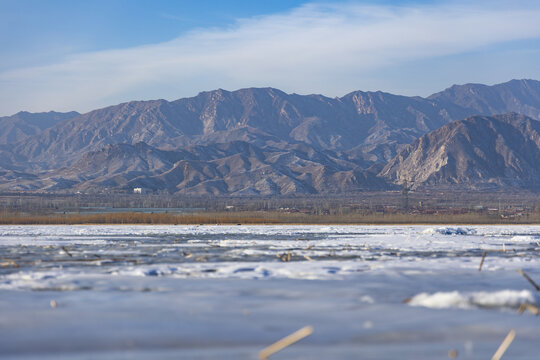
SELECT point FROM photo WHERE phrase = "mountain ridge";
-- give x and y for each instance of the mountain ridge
(363, 130)
(23, 124)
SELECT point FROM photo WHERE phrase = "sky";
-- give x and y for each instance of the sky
(80, 55)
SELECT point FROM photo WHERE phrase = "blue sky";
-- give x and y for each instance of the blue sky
(80, 55)
(52, 29)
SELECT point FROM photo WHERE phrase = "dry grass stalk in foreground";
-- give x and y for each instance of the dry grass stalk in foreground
(504, 345)
(9, 263)
(529, 279)
(286, 341)
(285, 257)
(66, 251)
(533, 309)
(482, 261)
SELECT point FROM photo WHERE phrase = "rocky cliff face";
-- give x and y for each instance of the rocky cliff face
(477, 151)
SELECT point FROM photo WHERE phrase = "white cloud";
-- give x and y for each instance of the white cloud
(315, 48)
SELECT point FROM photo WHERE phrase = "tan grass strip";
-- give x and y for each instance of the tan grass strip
(9, 263)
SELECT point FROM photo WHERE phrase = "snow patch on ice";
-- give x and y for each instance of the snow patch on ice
(309, 270)
(56, 280)
(492, 300)
(525, 238)
(449, 231)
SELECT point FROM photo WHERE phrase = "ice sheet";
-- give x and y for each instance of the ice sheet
(226, 291)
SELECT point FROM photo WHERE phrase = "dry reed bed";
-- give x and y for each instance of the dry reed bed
(259, 217)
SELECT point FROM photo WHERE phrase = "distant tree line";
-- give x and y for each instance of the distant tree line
(390, 202)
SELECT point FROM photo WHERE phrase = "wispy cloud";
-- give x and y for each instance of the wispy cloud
(314, 48)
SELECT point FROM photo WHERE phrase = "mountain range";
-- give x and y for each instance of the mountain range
(262, 141)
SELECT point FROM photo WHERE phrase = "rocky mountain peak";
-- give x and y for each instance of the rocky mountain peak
(480, 151)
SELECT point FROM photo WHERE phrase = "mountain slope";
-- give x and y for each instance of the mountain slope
(22, 125)
(478, 151)
(236, 168)
(519, 96)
